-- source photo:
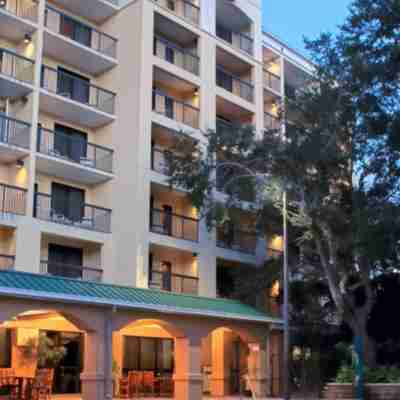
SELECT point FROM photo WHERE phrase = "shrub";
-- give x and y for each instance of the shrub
(346, 374)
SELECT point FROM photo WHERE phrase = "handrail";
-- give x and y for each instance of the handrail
(91, 217)
(15, 54)
(237, 240)
(12, 199)
(188, 60)
(175, 100)
(19, 8)
(14, 132)
(188, 10)
(272, 81)
(16, 66)
(88, 154)
(174, 225)
(109, 49)
(242, 39)
(246, 89)
(177, 281)
(64, 269)
(96, 97)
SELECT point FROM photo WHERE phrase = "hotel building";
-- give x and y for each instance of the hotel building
(97, 251)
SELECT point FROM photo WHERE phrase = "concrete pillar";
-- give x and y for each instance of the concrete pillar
(221, 356)
(27, 246)
(188, 378)
(257, 368)
(93, 376)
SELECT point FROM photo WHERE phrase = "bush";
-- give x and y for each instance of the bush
(346, 374)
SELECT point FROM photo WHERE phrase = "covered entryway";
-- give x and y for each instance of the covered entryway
(189, 347)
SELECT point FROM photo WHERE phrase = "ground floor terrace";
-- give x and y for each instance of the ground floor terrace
(83, 340)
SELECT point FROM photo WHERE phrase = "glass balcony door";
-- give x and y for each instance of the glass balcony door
(72, 85)
(70, 143)
(67, 202)
(75, 31)
(63, 260)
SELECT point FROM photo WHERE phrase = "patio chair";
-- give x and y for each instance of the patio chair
(9, 381)
(43, 384)
(135, 382)
(148, 383)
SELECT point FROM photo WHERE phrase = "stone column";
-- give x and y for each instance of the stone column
(188, 379)
(93, 376)
(257, 368)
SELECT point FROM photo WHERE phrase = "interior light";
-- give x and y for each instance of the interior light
(20, 164)
(27, 38)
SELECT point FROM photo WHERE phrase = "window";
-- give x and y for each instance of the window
(75, 31)
(5, 348)
(68, 202)
(63, 259)
(148, 354)
(73, 86)
(69, 142)
(224, 34)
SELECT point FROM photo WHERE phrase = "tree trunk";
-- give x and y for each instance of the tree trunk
(369, 344)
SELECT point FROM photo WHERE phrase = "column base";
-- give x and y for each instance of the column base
(189, 387)
(92, 386)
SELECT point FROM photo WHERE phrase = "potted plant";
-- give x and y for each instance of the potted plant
(49, 355)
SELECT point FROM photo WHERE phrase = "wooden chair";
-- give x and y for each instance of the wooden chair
(43, 384)
(123, 388)
(10, 381)
(148, 383)
(135, 383)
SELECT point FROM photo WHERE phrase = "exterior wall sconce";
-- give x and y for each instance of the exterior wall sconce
(27, 38)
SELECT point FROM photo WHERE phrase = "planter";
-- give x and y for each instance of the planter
(383, 391)
(335, 391)
(376, 391)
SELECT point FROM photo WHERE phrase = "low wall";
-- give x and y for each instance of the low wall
(378, 391)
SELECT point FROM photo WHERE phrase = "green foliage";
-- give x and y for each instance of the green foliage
(346, 374)
(49, 355)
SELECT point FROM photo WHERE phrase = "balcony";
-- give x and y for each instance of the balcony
(238, 40)
(83, 216)
(17, 19)
(7, 262)
(70, 271)
(159, 160)
(175, 109)
(271, 122)
(74, 43)
(173, 225)
(94, 10)
(12, 200)
(179, 56)
(73, 159)
(237, 240)
(235, 85)
(176, 283)
(14, 139)
(182, 8)
(75, 100)
(16, 74)
(272, 82)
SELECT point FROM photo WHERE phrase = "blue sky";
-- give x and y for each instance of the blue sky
(290, 20)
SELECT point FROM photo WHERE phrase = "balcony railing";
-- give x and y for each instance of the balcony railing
(70, 271)
(175, 109)
(234, 84)
(159, 160)
(64, 147)
(77, 89)
(182, 8)
(271, 122)
(176, 55)
(84, 216)
(85, 35)
(177, 226)
(14, 132)
(175, 283)
(236, 39)
(16, 66)
(272, 81)
(241, 241)
(12, 200)
(6, 262)
(21, 8)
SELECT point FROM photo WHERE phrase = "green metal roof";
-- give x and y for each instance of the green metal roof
(21, 284)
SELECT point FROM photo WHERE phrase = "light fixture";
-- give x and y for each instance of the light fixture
(194, 255)
(27, 38)
(20, 164)
(2, 3)
(196, 91)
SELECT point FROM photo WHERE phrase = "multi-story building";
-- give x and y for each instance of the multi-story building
(97, 251)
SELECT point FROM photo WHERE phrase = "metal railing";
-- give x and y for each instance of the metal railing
(81, 33)
(7, 262)
(184, 8)
(21, 8)
(14, 132)
(85, 217)
(77, 89)
(12, 200)
(70, 271)
(178, 226)
(64, 147)
(176, 55)
(271, 122)
(176, 283)
(234, 84)
(236, 39)
(237, 240)
(159, 160)
(272, 81)
(16, 66)
(175, 109)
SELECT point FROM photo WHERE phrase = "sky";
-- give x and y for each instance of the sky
(290, 20)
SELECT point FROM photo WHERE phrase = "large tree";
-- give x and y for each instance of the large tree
(338, 162)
